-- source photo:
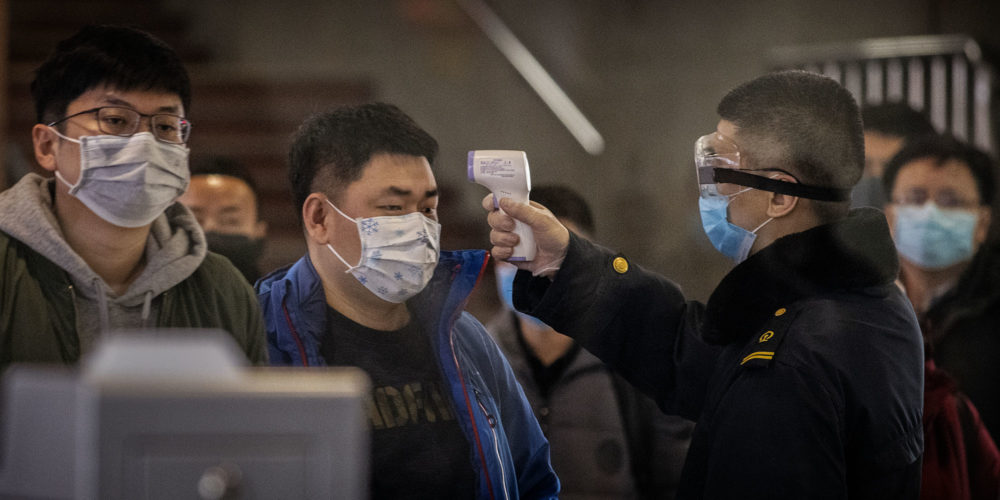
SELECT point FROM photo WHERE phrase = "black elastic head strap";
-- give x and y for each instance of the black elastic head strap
(742, 178)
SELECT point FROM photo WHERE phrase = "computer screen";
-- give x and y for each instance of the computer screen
(171, 416)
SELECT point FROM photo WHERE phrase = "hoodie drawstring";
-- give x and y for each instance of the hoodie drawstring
(104, 313)
(146, 304)
(102, 305)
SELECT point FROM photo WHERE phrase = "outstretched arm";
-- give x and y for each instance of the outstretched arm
(636, 321)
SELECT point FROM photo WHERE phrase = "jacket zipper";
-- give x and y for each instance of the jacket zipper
(295, 334)
(472, 417)
(496, 442)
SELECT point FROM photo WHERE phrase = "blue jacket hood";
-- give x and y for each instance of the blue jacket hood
(454, 278)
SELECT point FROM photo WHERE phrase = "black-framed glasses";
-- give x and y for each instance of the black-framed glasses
(125, 122)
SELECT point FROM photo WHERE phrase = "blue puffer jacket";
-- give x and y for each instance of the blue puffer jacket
(509, 454)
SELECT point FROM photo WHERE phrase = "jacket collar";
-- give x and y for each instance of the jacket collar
(446, 295)
(853, 253)
(975, 294)
(299, 288)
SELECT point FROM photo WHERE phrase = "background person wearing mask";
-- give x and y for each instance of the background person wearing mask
(224, 198)
(374, 290)
(804, 371)
(607, 439)
(103, 246)
(940, 192)
(888, 127)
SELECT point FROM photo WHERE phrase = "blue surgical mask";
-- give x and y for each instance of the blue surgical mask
(505, 287)
(933, 238)
(732, 240)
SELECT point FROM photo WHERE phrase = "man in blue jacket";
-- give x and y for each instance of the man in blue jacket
(447, 415)
(804, 369)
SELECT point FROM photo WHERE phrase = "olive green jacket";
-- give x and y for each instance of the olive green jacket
(38, 307)
(54, 307)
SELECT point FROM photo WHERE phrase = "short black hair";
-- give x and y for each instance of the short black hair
(228, 166)
(942, 148)
(897, 119)
(331, 149)
(802, 122)
(118, 56)
(565, 203)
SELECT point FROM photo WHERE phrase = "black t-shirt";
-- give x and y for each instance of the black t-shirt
(418, 449)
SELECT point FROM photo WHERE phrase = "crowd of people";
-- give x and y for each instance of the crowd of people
(847, 354)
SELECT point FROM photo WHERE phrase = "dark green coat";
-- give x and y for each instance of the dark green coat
(38, 309)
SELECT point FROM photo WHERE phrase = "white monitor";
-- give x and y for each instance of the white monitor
(173, 416)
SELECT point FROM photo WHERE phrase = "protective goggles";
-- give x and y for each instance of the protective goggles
(717, 161)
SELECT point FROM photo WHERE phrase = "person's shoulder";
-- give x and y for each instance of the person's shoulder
(468, 328)
(852, 317)
(9, 252)
(978, 283)
(216, 264)
(833, 326)
(14, 252)
(218, 273)
(286, 272)
(472, 340)
(870, 345)
(7, 241)
(21, 207)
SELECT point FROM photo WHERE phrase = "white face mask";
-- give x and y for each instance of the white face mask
(129, 181)
(398, 254)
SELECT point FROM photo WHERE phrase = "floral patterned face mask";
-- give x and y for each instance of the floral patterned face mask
(398, 254)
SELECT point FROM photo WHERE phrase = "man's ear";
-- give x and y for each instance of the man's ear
(44, 141)
(314, 214)
(780, 205)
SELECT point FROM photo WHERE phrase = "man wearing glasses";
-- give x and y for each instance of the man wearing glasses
(940, 192)
(804, 368)
(102, 245)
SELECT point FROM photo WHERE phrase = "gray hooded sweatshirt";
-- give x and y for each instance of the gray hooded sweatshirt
(174, 250)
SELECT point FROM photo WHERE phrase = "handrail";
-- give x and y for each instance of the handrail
(877, 48)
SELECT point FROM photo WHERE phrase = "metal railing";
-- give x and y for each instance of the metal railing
(946, 76)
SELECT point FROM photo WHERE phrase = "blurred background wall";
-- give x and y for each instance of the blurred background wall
(647, 74)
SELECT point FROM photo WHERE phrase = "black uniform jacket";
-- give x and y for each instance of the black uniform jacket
(804, 371)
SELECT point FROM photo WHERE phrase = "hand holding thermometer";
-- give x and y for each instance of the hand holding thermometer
(506, 174)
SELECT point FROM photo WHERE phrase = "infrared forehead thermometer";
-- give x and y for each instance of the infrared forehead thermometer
(506, 174)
